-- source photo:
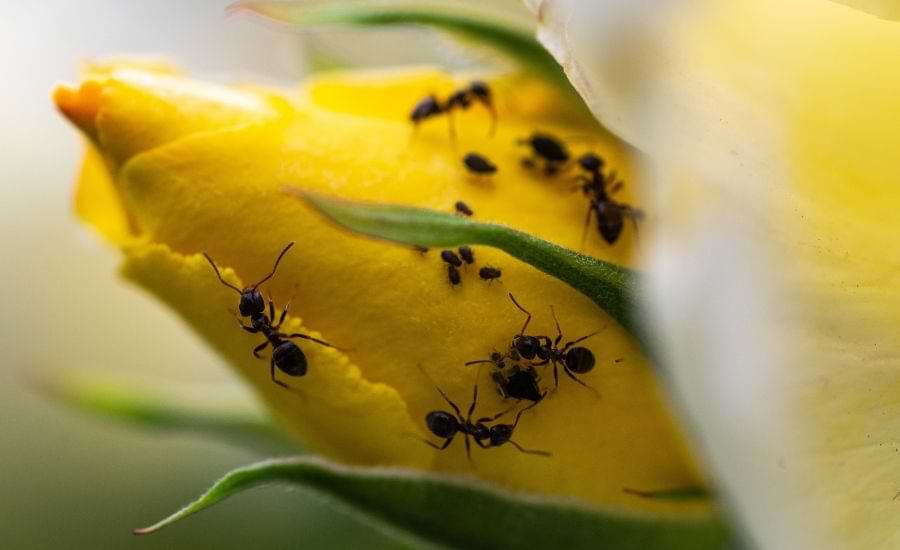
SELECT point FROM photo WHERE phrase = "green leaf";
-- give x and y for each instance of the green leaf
(466, 514)
(612, 287)
(515, 43)
(153, 410)
(677, 494)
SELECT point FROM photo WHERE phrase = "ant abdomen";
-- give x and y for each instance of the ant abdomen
(580, 360)
(442, 424)
(289, 359)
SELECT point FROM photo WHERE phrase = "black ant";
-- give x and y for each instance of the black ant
(574, 360)
(479, 165)
(286, 355)
(463, 209)
(477, 91)
(489, 273)
(512, 382)
(548, 149)
(462, 98)
(446, 425)
(599, 189)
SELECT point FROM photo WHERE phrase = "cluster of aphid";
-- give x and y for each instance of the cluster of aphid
(552, 156)
(548, 154)
(466, 256)
(516, 378)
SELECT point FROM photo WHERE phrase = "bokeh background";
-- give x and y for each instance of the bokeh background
(70, 479)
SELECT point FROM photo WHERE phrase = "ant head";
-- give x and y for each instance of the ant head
(579, 360)
(252, 302)
(442, 424)
(527, 346)
(500, 434)
(590, 162)
(480, 89)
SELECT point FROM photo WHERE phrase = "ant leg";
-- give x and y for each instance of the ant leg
(582, 339)
(440, 391)
(271, 309)
(575, 378)
(474, 400)
(259, 348)
(284, 313)
(519, 414)
(304, 336)
(272, 373)
(558, 330)
(555, 376)
(482, 444)
(452, 125)
(439, 447)
(490, 107)
(468, 449)
(478, 361)
(587, 222)
(498, 415)
(529, 451)
(523, 310)
(249, 329)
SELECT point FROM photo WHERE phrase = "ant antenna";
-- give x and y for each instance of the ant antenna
(277, 261)
(523, 310)
(219, 275)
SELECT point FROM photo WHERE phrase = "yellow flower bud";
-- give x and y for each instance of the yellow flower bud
(186, 166)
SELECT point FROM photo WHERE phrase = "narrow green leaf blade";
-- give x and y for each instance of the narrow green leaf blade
(515, 43)
(611, 287)
(153, 410)
(466, 514)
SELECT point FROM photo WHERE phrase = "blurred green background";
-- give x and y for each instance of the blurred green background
(69, 479)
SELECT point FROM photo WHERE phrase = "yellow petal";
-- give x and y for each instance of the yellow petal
(220, 189)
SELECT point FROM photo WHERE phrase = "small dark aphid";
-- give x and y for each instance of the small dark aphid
(463, 209)
(451, 258)
(478, 164)
(420, 249)
(467, 254)
(489, 273)
(446, 425)
(453, 275)
(286, 355)
(547, 149)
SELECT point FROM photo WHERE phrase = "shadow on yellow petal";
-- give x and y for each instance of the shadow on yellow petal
(391, 307)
